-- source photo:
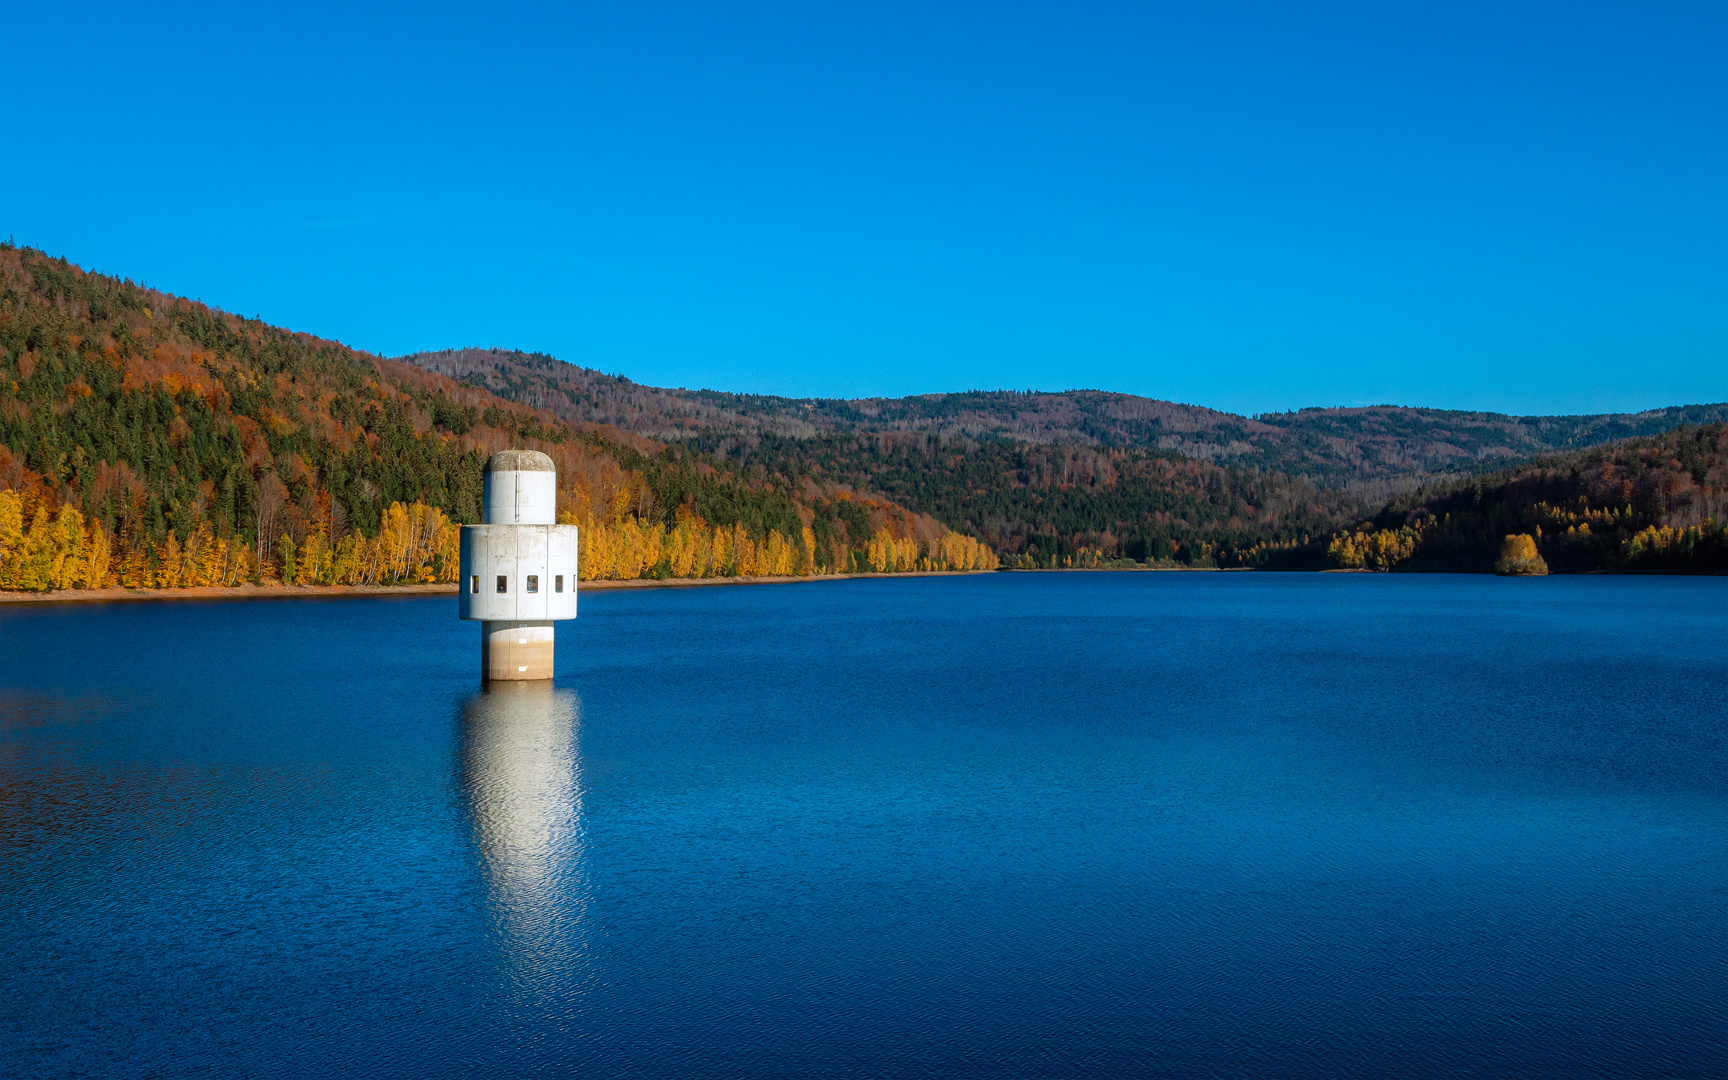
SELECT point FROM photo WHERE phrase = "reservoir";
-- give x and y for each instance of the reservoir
(1009, 825)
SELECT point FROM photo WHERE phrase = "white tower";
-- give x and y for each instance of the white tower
(518, 568)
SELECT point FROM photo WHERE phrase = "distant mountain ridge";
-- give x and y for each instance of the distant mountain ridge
(1373, 452)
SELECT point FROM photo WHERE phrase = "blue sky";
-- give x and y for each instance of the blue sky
(1519, 207)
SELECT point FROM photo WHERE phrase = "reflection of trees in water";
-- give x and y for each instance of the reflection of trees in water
(47, 793)
(522, 782)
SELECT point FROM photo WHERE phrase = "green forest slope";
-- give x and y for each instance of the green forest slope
(159, 423)
(1044, 506)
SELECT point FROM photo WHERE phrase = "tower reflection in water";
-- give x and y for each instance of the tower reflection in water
(522, 781)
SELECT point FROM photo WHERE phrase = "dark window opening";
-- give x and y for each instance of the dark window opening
(503, 583)
(533, 582)
(558, 583)
(474, 585)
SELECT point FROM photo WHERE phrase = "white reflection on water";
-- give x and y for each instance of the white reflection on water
(522, 779)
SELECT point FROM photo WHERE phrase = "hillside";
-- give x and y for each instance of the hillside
(149, 440)
(1083, 477)
(1043, 505)
(1372, 452)
(1649, 504)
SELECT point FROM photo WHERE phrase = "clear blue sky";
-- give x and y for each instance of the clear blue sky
(1520, 207)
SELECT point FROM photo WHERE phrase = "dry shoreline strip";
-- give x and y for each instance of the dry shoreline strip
(303, 592)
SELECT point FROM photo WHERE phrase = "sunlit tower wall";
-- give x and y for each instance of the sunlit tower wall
(518, 568)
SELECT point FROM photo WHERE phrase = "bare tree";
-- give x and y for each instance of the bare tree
(267, 514)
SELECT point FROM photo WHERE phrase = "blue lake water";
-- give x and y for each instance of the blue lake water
(1022, 825)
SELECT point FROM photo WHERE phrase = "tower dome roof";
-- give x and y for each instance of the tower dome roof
(520, 461)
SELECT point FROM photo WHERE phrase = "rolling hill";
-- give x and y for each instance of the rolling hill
(1083, 477)
(1373, 452)
(183, 443)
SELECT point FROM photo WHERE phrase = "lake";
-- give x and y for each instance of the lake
(1014, 825)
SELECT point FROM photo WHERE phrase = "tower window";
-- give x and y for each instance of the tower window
(558, 583)
(503, 583)
(474, 584)
(533, 582)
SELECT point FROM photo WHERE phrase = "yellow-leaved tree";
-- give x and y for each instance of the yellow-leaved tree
(1519, 558)
(58, 551)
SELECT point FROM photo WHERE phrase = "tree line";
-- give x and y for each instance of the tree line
(692, 548)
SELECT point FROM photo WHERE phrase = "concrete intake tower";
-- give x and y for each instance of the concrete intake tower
(518, 568)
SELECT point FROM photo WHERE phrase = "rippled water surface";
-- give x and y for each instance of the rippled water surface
(1014, 825)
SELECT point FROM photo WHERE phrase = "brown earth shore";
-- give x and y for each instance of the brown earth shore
(290, 592)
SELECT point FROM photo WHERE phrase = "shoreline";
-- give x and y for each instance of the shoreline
(308, 592)
(312, 592)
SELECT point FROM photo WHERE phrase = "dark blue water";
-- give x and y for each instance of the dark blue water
(1016, 825)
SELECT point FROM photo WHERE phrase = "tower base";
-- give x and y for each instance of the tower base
(515, 651)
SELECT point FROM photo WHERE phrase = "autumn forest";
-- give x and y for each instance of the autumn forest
(150, 441)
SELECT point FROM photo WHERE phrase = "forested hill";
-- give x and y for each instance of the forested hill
(1084, 478)
(149, 440)
(1648, 504)
(1037, 504)
(1373, 452)
(1043, 505)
